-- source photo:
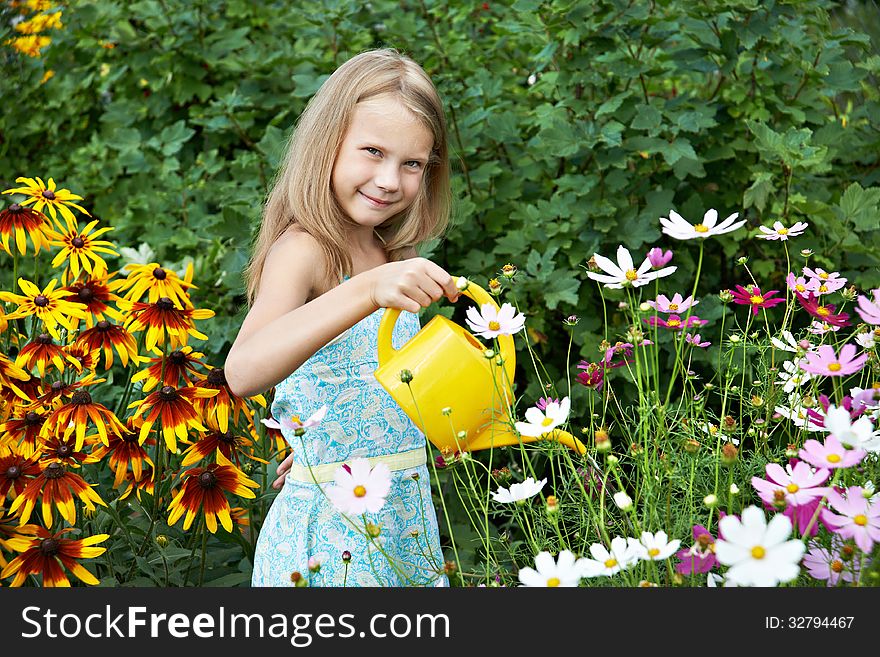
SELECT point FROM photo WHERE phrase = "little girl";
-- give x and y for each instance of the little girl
(365, 180)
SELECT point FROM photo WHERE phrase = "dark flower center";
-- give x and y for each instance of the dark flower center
(216, 377)
(159, 274)
(228, 437)
(165, 304)
(15, 207)
(32, 418)
(57, 385)
(41, 300)
(130, 436)
(167, 393)
(103, 325)
(53, 471)
(64, 450)
(78, 242)
(177, 357)
(81, 398)
(13, 472)
(44, 338)
(207, 479)
(49, 547)
(48, 194)
(85, 294)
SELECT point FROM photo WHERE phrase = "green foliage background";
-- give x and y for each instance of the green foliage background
(765, 108)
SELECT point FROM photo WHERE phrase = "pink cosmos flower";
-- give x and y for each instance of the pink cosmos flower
(824, 313)
(360, 488)
(543, 401)
(756, 299)
(294, 424)
(695, 340)
(831, 454)
(700, 557)
(675, 305)
(823, 282)
(798, 284)
(870, 310)
(799, 487)
(858, 518)
(820, 328)
(658, 258)
(824, 361)
(822, 563)
(674, 322)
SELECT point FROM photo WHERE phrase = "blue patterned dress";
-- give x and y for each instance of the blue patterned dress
(362, 420)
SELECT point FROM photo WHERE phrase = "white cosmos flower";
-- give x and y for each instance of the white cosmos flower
(758, 552)
(852, 435)
(654, 547)
(362, 489)
(789, 343)
(678, 227)
(714, 579)
(518, 492)
(866, 340)
(565, 571)
(490, 323)
(624, 272)
(541, 422)
(793, 377)
(607, 562)
(294, 423)
(797, 412)
(780, 232)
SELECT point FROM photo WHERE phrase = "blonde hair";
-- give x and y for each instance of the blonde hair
(301, 194)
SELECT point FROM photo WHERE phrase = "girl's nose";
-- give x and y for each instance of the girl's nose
(388, 177)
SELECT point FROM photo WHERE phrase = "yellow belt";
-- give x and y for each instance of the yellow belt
(325, 472)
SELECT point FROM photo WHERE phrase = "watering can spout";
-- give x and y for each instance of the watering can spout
(489, 439)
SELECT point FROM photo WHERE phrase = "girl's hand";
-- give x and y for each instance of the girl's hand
(282, 470)
(410, 284)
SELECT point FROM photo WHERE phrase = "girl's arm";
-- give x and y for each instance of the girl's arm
(282, 331)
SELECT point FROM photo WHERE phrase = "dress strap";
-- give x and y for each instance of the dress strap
(319, 474)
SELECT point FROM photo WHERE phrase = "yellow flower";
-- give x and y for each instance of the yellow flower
(158, 282)
(48, 305)
(40, 23)
(54, 199)
(80, 247)
(29, 45)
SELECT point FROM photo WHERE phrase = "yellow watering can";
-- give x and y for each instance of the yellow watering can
(450, 370)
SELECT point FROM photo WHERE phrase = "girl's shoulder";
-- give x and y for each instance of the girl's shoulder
(297, 249)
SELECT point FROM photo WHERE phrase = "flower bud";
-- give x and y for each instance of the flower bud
(779, 499)
(850, 293)
(742, 260)
(494, 286)
(806, 252)
(449, 568)
(298, 580)
(552, 505)
(644, 306)
(728, 454)
(446, 410)
(734, 338)
(734, 489)
(623, 501)
(346, 556)
(611, 460)
(591, 264)
(508, 271)
(373, 530)
(571, 320)
(757, 401)
(623, 305)
(161, 540)
(691, 446)
(711, 500)
(488, 354)
(406, 376)
(726, 296)
(462, 283)
(602, 440)
(314, 565)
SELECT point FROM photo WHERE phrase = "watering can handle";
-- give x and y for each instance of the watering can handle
(477, 294)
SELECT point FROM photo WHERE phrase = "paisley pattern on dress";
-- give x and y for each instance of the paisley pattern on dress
(362, 420)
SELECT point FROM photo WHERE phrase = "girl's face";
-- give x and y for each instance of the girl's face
(380, 164)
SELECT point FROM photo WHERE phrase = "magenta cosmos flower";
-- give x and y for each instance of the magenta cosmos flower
(858, 517)
(798, 487)
(825, 362)
(700, 557)
(658, 258)
(756, 299)
(824, 313)
(870, 310)
(831, 454)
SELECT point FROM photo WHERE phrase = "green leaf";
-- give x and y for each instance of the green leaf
(647, 118)
(678, 149)
(860, 206)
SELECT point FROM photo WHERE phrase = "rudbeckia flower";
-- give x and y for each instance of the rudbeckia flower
(42, 195)
(565, 571)
(80, 248)
(225, 402)
(125, 451)
(22, 222)
(678, 227)
(13, 378)
(48, 305)
(23, 431)
(173, 408)
(230, 443)
(16, 472)
(62, 450)
(359, 488)
(179, 365)
(203, 488)
(45, 554)
(157, 282)
(490, 323)
(164, 317)
(95, 294)
(75, 414)
(542, 422)
(623, 272)
(105, 337)
(40, 352)
(57, 485)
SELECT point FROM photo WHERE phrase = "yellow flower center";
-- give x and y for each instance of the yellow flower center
(758, 552)
(822, 310)
(861, 520)
(823, 288)
(547, 421)
(800, 288)
(823, 275)
(359, 491)
(756, 299)
(837, 565)
(494, 326)
(834, 367)
(553, 581)
(673, 323)
(673, 306)
(653, 552)
(610, 563)
(700, 228)
(783, 231)
(792, 488)
(631, 275)
(834, 458)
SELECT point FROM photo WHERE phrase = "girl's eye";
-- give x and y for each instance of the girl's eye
(414, 164)
(372, 151)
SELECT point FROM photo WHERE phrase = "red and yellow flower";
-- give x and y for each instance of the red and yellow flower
(164, 317)
(106, 336)
(57, 486)
(157, 282)
(46, 553)
(178, 365)
(23, 222)
(48, 305)
(14, 378)
(87, 359)
(228, 443)
(16, 472)
(80, 248)
(137, 485)
(95, 294)
(125, 450)
(173, 408)
(63, 450)
(74, 415)
(42, 195)
(23, 432)
(41, 351)
(218, 407)
(203, 488)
